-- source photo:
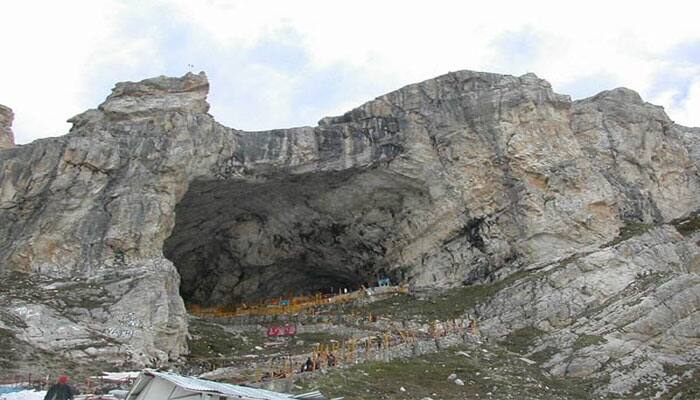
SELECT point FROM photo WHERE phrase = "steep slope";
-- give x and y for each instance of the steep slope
(624, 315)
(464, 178)
(640, 152)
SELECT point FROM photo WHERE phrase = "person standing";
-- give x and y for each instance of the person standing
(308, 366)
(60, 390)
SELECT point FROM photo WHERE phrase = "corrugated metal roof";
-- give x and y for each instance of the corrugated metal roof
(315, 395)
(201, 385)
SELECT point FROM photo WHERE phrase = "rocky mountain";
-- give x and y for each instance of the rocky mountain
(467, 178)
(7, 139)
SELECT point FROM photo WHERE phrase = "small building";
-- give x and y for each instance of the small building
(154, 385)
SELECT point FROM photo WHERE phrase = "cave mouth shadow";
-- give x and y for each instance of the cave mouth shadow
(236, 241)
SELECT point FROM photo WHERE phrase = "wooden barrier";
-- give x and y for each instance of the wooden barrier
(353, 350)
(287, 306)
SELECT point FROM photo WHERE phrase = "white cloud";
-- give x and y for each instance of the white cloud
(48, 49)
(65, 55)
(686, 112)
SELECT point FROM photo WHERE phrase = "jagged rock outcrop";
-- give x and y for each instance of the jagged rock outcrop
(633, 144)
(464, 178)
(691, 140)
(438, 183)
(7, 139)
(623, 314)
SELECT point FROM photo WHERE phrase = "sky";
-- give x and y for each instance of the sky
(278, 64)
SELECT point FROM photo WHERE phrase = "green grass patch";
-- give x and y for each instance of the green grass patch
(520, 340)
(588, 340)
(310, 340)
(686, 385)
(451, 304)
(544, 355)
(689, 385)
(210, 341)
(688, 226)
(492, 374)
(629, 231)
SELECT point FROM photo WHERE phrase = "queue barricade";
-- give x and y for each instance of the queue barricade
(284, 306)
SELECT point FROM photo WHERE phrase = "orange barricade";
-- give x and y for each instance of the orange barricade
(280, 306)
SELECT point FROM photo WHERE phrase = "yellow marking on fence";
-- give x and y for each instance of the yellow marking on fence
(347, 350)
(293, 305)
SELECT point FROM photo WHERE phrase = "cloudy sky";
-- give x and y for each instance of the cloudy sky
(275, 64)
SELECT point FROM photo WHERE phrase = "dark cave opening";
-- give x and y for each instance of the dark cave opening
(240, 241)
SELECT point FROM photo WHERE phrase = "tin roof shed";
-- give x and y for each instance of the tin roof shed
(155, 385)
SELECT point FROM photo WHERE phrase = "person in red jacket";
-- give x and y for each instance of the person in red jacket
(60, 390)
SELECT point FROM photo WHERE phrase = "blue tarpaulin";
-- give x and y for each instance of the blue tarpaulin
(11, 389)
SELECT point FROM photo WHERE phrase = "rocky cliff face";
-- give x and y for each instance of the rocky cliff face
(634, 146)
(465, 178)
(625, 314)
(7, 139)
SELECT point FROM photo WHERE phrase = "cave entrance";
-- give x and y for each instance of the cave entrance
(239, 241)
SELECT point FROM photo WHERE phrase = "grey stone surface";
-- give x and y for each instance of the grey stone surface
(619, 314)
(635, 147)
(438, 183)
(464, 178)
(7, 138)
(691, 140)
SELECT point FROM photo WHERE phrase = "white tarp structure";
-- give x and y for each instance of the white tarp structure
(154, 385)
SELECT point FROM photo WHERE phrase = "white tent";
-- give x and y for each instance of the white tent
(154, 385)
